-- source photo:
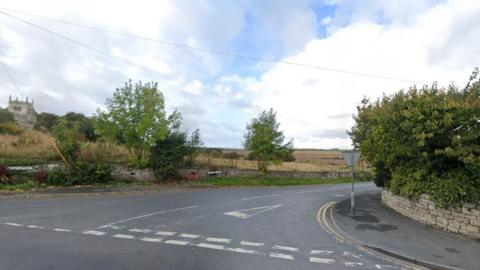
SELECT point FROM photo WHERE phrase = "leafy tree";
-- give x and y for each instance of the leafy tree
(135, 116)
(85, 125)
(424, 141)
(46, 121)
(265, 141)
(6, 116)
(167, 155)
(68, 138)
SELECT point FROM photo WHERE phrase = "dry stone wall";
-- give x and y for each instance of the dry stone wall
(464, 220)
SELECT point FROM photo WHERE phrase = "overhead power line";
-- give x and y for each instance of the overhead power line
(12, 80)
(212, 51)
(76, 42)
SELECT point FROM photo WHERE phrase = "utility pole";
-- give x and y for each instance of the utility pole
(351, 157)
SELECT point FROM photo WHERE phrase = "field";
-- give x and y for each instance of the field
(35, 147)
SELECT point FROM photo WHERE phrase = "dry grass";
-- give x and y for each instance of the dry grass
(305, 161)
(36, 145)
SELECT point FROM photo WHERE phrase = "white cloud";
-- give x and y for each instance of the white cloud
(306, 99)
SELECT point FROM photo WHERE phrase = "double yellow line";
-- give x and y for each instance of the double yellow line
(324, 218)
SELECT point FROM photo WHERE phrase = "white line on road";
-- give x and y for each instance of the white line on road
(148, 215)
(124, 236)
(252, 244)
(250, 212)
(140, 230)
(281, 256)
(242, 250)
(13, 224)
(93, 232)
(151, 239)
(187, 235)
(177, 242)
(259, 197)
(321, 260)
(62, 230)
(350, 264)
(346, 253)
(211, 246)
(292, 249)
(325, 252)
(165, 233)
(35, 227)
(219, 240)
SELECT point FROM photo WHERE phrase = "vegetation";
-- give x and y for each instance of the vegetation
(6, 116)
(265, 141)
(135, 116)
(271, 181)
(424, 141)
(46, 121)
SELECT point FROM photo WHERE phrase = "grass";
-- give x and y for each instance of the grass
(228, 182)
(31, 186)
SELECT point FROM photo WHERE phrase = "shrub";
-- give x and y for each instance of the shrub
(80, 173)
(4, 174)
(424, 141)
(40, 176)
(167, 155)
(10, 128)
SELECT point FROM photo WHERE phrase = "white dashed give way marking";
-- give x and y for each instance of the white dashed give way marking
(321, 260)
(124, 236)
(281, 256)
(250, 212)
(292, 249)
(219, 240)
(98, 233)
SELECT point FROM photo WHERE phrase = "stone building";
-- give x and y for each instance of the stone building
(23, 112)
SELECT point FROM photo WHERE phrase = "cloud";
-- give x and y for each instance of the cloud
(311, 104)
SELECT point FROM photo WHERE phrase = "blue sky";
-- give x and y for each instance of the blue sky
(418, 40)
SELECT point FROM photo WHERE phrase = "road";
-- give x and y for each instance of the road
(245, 228)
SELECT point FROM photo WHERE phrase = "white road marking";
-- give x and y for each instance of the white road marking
(93, 232)
(242, 250)
(35, 227)
(346, 254)
(292, 249)
(177, 242)
(140, 230)
(281, 256)
(259, 197)
(62, 230)
(13, 224)
(124, 236)
(250, 212)
(219, 240)
(165, 233)
(151, 239)
(350, 264)
(310, 191)
(381, 266)
(148, 215)
(321, 260)
(253, 244)
(187, 235)
(211, 246)
(113, 227)
(325, 252)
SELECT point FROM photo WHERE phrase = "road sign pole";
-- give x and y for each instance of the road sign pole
(352, 195)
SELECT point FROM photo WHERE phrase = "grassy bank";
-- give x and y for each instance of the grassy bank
(271, 181)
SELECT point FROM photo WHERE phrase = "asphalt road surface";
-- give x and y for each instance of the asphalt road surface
(247, 228)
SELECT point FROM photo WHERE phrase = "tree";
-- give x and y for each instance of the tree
(265, 141)
(135, 116)
(85, 124)
(46, 121)
(6, 116)
(167, 155)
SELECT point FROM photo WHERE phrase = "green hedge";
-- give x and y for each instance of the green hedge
(424, 141)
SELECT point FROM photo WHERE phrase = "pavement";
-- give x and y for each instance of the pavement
(242, 228)
(381, 227)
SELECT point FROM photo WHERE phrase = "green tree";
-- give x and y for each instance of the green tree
(85, 124)
(6, 116)
(135, 116)
(265, 141)
(46, 121)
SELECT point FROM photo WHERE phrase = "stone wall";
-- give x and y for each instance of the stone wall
(464, 220)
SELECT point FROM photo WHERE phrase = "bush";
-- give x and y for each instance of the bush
(10, 128)
(40, 176)
(424, 141)
(167, 155)
(4, 174)
(80, 173)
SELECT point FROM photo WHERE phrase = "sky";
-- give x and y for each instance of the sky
(394, 45)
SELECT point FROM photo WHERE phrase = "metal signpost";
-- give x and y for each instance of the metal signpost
(351, 157)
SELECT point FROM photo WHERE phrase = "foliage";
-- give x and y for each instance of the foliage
(40, 176)
(232, 155)
(135, 116)
(80, 173)
(68, 138)
(10, 128)
(424, 141)
(4, 174)
(6, 116)
(265, 141)
(167, 155)
(46, 121)
(84, 125)
(194, 146)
